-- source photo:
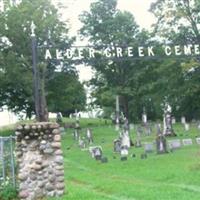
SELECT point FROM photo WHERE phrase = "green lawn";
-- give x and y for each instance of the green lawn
(160, 177)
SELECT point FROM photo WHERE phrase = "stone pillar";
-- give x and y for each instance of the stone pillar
(40, 161)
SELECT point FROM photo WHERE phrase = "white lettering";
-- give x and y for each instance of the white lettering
(69, 53)
(119, 52)
(91, 53)
(168, 50)
(141, 51)
(196, 49)
(107, 52)
(130, 51)
(150, 51)
(59, 55)
(177, 50)
(187, 49)
(48, 54)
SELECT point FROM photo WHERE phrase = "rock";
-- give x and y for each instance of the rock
(19, 127)
(51, 194)
(56, 145)
(59, 192)
(23, 194)
(48, 151)
(49, 187)
(36, 167)
(39, 161)
(57, 138)
(59, 167)
(59, 159)
(41, 184)
(27, 127)
(60, 186)
(17, 133)
(22, 176)
(58, 152)
(60, 173)
(52, 178)
(38, 193)
(60, 179)
(55, 131)
(33, 127)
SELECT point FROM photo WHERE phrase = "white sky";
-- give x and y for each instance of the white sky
(73, 8)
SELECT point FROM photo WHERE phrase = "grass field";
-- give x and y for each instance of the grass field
(159, 177)
(172, 176)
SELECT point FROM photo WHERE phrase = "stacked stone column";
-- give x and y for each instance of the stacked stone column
(40, 161)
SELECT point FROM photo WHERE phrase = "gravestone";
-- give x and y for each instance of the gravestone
(174, 144)
(59, 117)
(161, 144)
(183, 120)
(148, 130)
(167, 122)
(126, 125)
(117, 145)
(148, 147)
(81, 143)
(89, 136)
(124, 152)
(198, 140)
(96, 152)
(143, 156)
(104, 159)
(187, 142)
(138, 139)
(187, 127)
(131, 126)
(173, 120)
(159, 129)
(76, 134)
(125, 141)
(198, 126)
(144, 117)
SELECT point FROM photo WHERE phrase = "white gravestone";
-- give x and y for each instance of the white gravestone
(126, 139)
(183, 120)
(173, 120)
(198, 140)
(187, 142)
(187, 127)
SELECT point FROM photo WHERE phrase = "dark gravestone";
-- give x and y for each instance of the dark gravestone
(133, 155)
(117, 145)
(161, 144)
(96, 152)
(124, 158)
(168, 129)
(59, 118)
(104, 159)
(143, 156)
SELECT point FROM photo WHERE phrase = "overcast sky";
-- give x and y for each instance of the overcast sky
(139, 8)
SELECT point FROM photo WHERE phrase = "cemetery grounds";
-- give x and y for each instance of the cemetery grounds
(175, 175)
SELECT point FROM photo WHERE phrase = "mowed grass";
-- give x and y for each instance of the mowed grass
(175, 175)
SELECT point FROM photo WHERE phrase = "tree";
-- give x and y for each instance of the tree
(178, 22)
(105, 26)
(66, 93)
(15, 44)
